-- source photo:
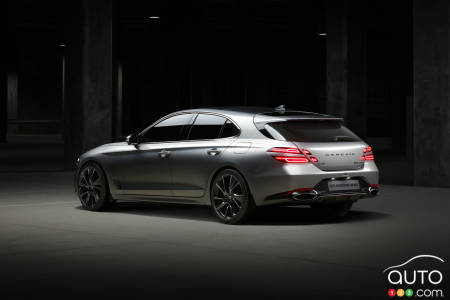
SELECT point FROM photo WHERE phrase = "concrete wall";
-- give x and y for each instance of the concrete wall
(346, 62)
(89, 77)
(432, 92)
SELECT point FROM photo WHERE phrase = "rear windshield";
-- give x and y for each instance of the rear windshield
(314, 131)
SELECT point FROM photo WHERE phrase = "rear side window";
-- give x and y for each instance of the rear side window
(170, 129)
(207, 127)
(229, 130)
(314, 131)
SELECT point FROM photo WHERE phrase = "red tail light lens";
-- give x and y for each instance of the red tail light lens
(285, 150)
(291, 155)
(367, 155)
(292, 159)
(370, 157)
(306, 151)
(313, 159)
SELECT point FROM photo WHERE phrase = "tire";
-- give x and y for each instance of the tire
(92, 188)
(333, 209)
(230, 197)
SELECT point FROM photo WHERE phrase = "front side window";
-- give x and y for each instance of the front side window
(207, 127)
(170, 129)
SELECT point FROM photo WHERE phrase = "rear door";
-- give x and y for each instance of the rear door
(194, 160)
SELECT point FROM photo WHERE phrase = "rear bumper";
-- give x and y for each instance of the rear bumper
(314, 196)
(306, 184)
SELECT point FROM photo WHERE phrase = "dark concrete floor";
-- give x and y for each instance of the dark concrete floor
(50, 248)
(31, 155)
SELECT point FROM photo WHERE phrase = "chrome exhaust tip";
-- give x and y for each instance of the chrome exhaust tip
(373, 191)
(304, 195)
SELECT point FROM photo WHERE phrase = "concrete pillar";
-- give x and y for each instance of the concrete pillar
(3, 101)
(88, 113)
(346, 62)
(337, 58)
(431, 47)
(118, 103)
(400, 77)
(303, 43)
(3, 91)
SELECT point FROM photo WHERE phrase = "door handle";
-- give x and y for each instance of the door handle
(213, 151)
(164, 153)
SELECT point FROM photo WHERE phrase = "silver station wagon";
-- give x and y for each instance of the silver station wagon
(233, 159)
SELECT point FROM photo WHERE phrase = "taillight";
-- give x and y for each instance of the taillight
(285, 150)
(313, 159)
(290, 159)
(308, 154)
(370, 157)
(306, 151)
(293, 155)
(367, 154)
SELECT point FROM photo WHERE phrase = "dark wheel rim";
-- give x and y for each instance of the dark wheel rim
(90, 186)
(229, 195)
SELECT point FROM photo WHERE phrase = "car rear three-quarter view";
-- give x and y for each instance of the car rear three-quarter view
(233, 159)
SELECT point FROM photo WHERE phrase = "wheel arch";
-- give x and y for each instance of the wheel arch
(98, 163)
(225, 167)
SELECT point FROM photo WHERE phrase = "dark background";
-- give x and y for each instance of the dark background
(77, 74)
(82, 73)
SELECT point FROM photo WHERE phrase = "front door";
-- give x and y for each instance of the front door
(146, 170)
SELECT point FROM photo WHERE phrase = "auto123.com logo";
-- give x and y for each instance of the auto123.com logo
(417, 277)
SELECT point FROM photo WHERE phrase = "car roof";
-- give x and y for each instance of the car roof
(267, 112)
(251, 119)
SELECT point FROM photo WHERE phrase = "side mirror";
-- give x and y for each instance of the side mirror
(132, 139)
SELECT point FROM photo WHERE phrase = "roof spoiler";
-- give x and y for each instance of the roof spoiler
(280, 109)
(260, 120)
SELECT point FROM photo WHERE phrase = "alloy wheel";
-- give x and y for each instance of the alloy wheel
(229, 196)
(91, 187)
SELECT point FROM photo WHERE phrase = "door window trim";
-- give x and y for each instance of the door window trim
(191, 123)
(221, 129)
(194, 116)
